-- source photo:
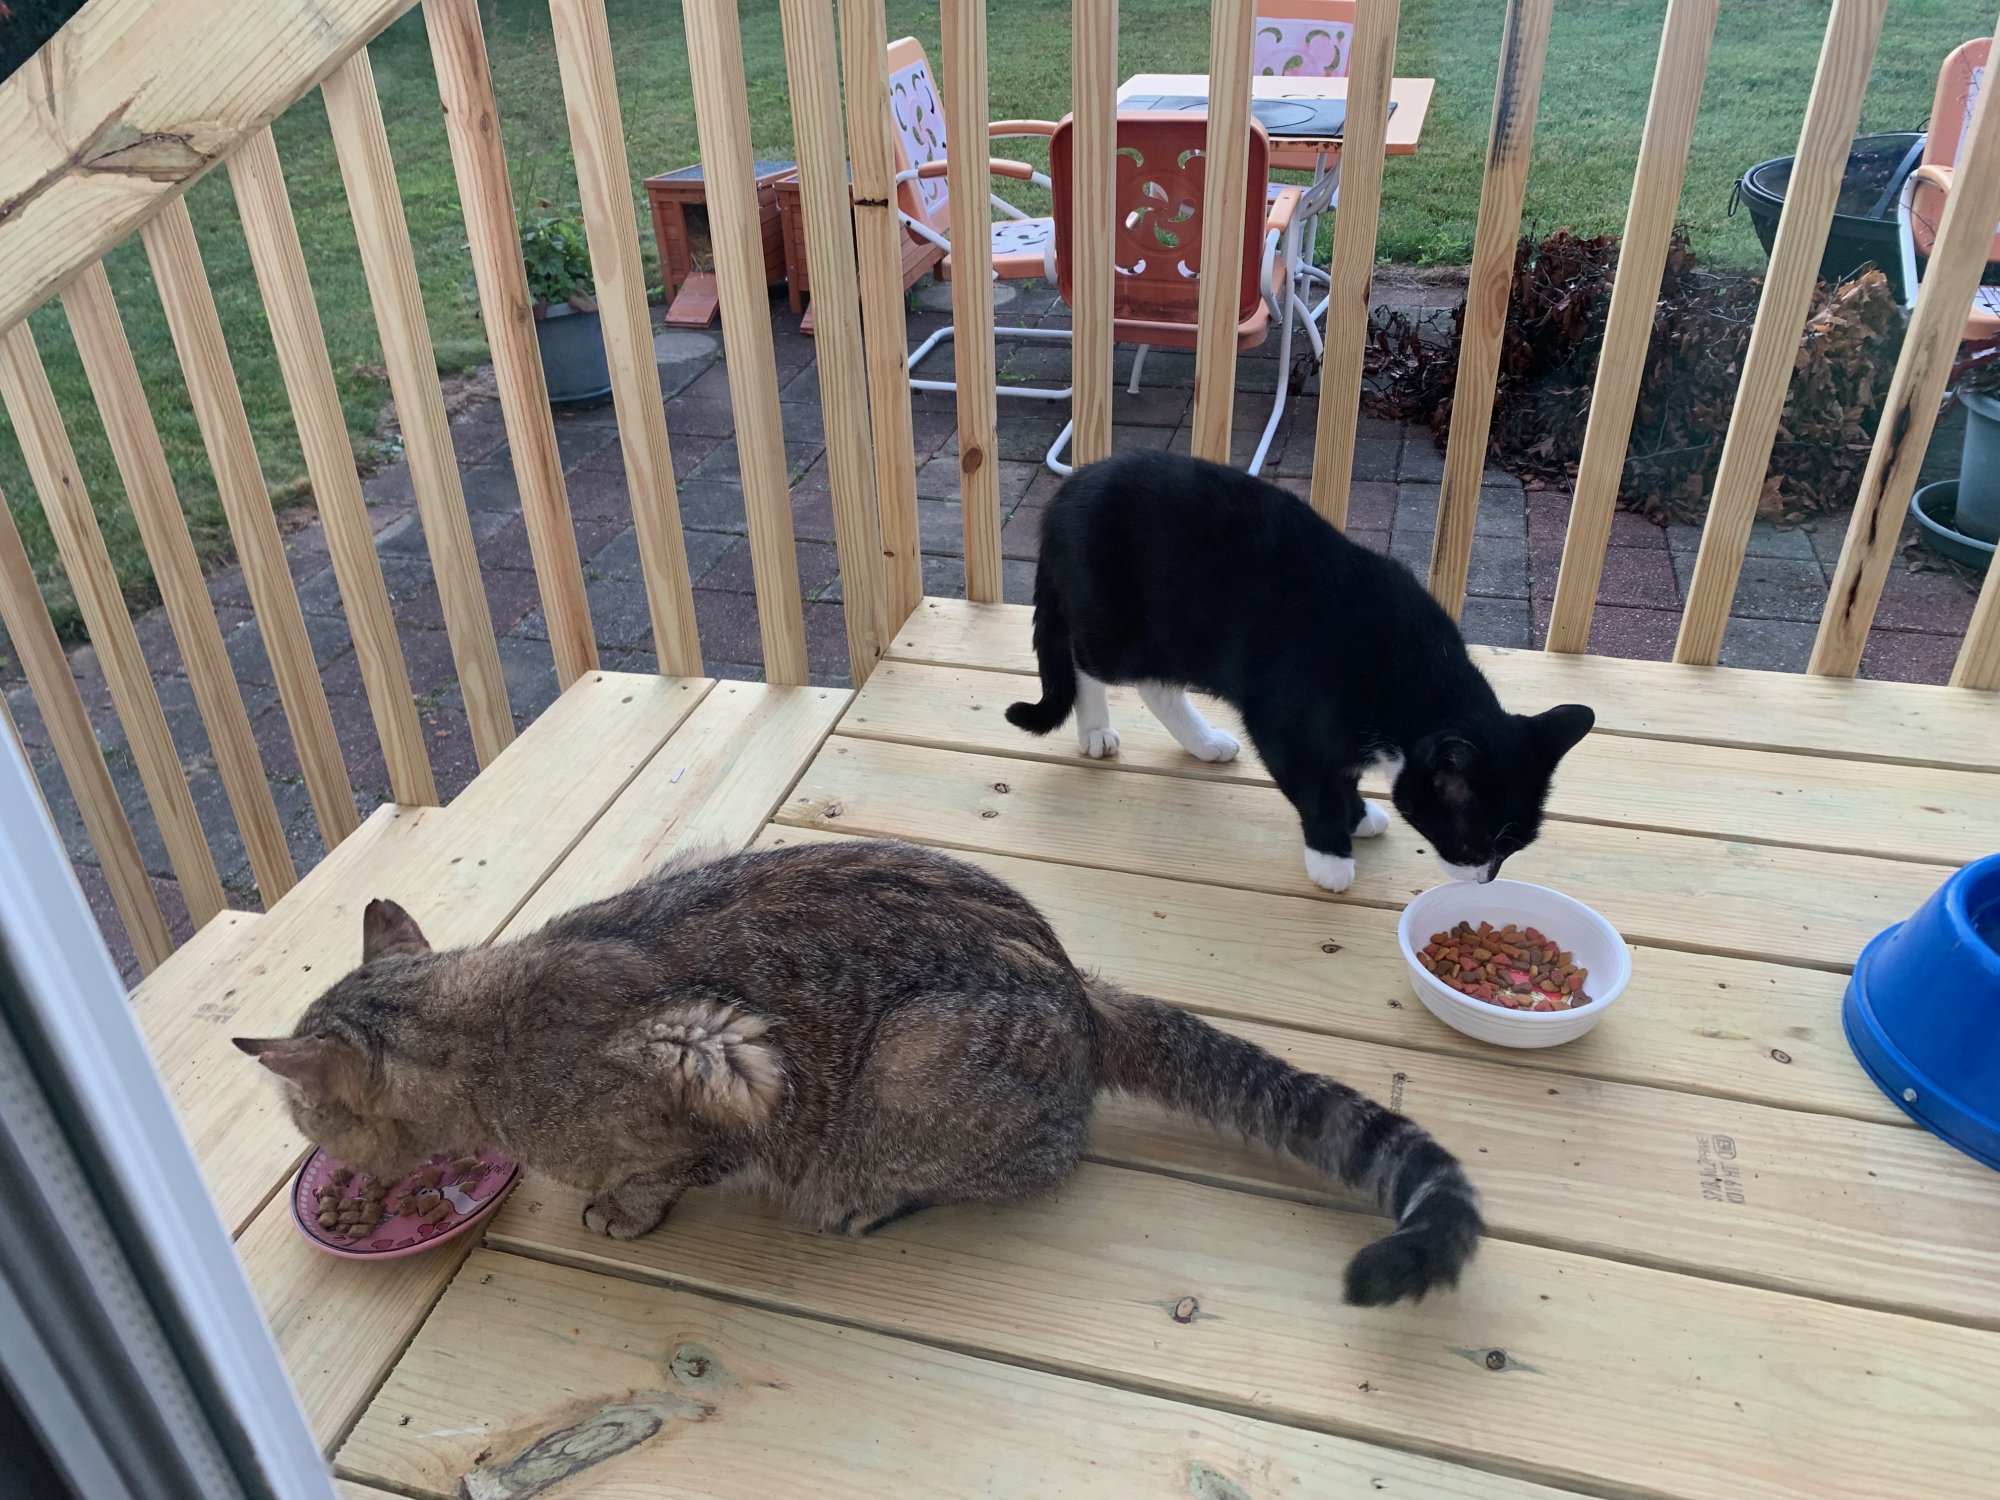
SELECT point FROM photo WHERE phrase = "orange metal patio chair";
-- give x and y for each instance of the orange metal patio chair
(1020, 241)
(1157, 243)
(1921, 208)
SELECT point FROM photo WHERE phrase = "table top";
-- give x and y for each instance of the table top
(1410, 96)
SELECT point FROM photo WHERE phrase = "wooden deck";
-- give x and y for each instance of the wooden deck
(1825, 1322)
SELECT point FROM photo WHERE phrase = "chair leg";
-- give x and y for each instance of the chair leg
(1284, 368)
(1138, 364)
(1055, 464)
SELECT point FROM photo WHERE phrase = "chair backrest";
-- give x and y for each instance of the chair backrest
(1162, 157)
(920, 134)
(1303, 38)
(1958, 86)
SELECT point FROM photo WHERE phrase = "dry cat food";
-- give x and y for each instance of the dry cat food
(354, 1205)
(1514, 967)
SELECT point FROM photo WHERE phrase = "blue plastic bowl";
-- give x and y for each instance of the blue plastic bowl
(1923, 1012)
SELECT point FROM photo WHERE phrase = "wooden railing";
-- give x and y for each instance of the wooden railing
(136, 99)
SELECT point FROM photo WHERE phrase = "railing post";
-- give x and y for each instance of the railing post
(1524, 46)
(1628, 328)
(1363, 152)
(1093, 210)
(1225, 166)
(1814, 187)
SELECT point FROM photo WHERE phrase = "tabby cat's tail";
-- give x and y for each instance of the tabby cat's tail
(1159, 1052)
(1052, 652)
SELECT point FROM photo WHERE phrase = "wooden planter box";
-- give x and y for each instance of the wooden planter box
(691, 293)
(918, 255)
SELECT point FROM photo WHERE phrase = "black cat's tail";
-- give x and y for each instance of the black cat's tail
(1052, 652)
(1158, 1051)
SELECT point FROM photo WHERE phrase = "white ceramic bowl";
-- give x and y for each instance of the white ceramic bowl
(1572, 925)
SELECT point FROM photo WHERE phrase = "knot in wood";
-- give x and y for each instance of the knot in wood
(1185, 1310)
(1779, 1054)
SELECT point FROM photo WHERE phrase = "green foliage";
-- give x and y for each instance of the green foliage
(557, 257)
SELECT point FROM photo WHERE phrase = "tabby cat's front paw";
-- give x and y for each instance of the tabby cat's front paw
(607, 1216)
(1331, 872)
(1374, 820)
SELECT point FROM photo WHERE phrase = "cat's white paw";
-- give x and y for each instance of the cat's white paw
(1214, 747)
(1097, 743)
(1374, 820)
(607, 1216)
(1330, 872)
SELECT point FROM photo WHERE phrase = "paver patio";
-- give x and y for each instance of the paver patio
(1519, 542)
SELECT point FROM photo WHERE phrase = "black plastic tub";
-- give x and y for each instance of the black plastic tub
(1864, 219)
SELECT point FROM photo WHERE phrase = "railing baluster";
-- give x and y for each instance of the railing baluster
(1524, 45)
(375, 203)
(604, 181)
(1225, 170)
(1810, 195)
(149, 489)
(47, 670)
(1628, 329)
(878, 237)
(293, 313)
(479, 161)
(239, 481)
(963, 27)
(813, 72)
(722, 122)
(1093, 212)
(1909, 412)
(31, 405)
(1364, 147)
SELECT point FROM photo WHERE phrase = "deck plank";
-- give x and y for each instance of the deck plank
(519, 1350)
(1618, 1170)
(192, 971)
(1767, 1033)
(339, 1324)
(714, 786)
(1847, 718)
(461, 870)
(1705, 895)
(1611, 1376)
(1915, 813)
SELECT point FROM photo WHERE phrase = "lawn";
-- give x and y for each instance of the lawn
(1593, 106)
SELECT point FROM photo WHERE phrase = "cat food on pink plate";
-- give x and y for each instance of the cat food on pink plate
(351, 1214)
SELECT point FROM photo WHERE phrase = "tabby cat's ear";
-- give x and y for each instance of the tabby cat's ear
(387, 931)
(1560, 729)
(320, 1065)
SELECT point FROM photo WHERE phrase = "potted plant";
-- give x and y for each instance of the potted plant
(557, 258)
(1961, 517)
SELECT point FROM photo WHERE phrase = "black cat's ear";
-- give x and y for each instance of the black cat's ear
(1560, 729)
(387, 931)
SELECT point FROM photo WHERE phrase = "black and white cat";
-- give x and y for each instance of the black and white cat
(1174, 574)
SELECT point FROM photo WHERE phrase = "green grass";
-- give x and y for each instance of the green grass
(1593, 106)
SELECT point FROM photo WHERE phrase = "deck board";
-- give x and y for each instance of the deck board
(1615, 1169)
(1834, 1334)
(1847, 718)
(1769, 1033)
(780, 1407)
(1613, 1376)
(1809, 802)
(1704, 895)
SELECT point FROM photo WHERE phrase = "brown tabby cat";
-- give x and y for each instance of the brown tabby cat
(864, 1030)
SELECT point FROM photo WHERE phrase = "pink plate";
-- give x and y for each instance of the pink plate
(471, 1198)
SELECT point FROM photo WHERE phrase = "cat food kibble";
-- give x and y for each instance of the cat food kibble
(1510, 966)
